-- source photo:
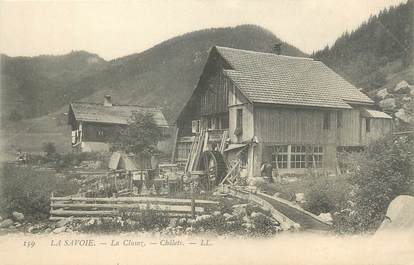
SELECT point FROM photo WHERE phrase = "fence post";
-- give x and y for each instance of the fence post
(192, 199)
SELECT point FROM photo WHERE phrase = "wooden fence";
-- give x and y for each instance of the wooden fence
(81, 207)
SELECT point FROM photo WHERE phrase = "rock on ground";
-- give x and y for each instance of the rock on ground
(327, 217)
(388, 104)
(64, 222)
(300, 197)
(59, 230)
(382, 94)
(400, 216)
(6, 223)
(402, 87)
(18, 216)
(239, 209)
(402, 115)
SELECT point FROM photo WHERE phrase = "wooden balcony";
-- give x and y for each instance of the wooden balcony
(215, 135)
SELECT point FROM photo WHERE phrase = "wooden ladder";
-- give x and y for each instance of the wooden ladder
(223, 141)
(196, 148)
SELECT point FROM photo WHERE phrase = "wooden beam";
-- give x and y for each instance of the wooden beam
(138, 206)
(135, 199)
(175, 145)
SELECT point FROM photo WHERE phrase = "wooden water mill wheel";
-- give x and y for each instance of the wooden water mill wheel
(214, 166)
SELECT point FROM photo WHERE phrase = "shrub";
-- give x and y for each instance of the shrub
(49, 148)
(263, 225)
(384, 171)
(129, 220)
(326, 193)
(28, 191)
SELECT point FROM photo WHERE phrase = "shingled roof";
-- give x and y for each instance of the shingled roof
(115, 114)
(278, 79)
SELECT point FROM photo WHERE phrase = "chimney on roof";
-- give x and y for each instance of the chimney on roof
(277, 48)
(108, 101)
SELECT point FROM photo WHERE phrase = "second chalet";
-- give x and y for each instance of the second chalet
(293, 112)
(93, 124)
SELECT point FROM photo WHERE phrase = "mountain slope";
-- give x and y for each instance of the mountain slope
(379, 53)
(166, 74)
(34, 86)
(163, 76)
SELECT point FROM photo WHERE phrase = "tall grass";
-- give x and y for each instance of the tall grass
(28, 191)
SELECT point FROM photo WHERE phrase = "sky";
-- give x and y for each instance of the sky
(117, 28)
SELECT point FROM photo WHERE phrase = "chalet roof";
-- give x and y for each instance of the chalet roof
(278, 79)
(115, 114)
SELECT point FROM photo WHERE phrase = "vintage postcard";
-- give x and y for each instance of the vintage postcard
(207, 132)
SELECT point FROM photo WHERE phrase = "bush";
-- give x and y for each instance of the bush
(384, 171)
(326, 194)
(68, 160)
(144, 220)
(28, 191)
(49, 148)
(263, 225)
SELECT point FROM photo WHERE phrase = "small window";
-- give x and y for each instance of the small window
(339, 119)
(326, 120)
(100, 132)
(368, 125)
(239, 123)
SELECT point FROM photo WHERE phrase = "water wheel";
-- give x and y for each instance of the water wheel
(213, 164)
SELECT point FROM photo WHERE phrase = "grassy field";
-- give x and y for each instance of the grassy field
(29, 135)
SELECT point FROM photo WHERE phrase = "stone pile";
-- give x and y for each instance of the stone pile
(399, 102)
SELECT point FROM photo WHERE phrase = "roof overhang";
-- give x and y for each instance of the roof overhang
(234, 147)
(369, 113)
(296, 106)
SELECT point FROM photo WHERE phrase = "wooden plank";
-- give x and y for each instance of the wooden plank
(175, 145)
(140, 206)
(135, 199)
(57, 218)
(196, 154)
(231, 171)
(84, 213)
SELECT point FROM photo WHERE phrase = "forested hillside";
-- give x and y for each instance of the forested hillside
(379, 53)
(32, 86)
(164, 75)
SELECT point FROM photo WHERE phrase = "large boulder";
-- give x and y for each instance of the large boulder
(18, 216)
(327, 217)
(406, 99)
(59, 230)
(64, 222)
(6, 223)
(402, 87)
(388, 104)
(399, 216)
(382, 94)
(239, 209)
(402, 115)
(300, 197)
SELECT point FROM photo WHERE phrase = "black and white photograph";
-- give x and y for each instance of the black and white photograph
(207, 132)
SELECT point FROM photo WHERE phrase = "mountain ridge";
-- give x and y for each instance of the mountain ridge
(163, 75)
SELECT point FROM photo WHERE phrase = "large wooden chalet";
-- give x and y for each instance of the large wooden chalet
(93, 125)
(291, 111)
